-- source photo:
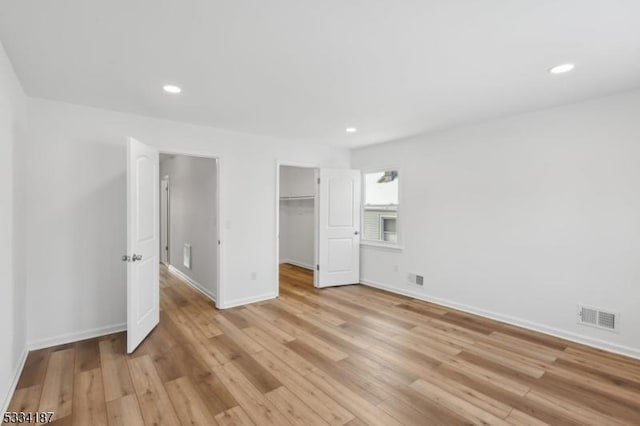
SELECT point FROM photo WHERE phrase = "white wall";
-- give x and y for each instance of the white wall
(12, 283)
(523, 218)
(297, 217)
(76, 211)
(193, 217)
(297, 233)
(296, 181)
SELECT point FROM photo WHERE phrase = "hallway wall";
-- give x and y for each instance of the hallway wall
(193, 216)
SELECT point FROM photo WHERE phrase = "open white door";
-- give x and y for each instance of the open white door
(338, 227)
(143, 304)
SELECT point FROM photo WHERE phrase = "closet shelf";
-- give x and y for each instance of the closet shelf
(299, 197)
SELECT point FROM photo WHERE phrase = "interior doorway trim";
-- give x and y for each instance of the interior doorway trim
(164, 227)
(220, 211)
(315, 167)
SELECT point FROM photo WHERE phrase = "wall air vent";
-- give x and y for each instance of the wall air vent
(415, 279)
(186, 261)
(607, 320)
(599, 318)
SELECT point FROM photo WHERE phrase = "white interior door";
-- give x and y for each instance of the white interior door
(143, 304)
(338, 228)
(164, 221)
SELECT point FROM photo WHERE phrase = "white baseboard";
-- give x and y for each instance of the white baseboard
(192, 283)
(247, 300)
(77, 336)
(14, 382)
(296, 263)
(567, 335)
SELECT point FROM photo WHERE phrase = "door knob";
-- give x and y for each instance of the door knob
(126, 258)
(136, 257)
(356, 233)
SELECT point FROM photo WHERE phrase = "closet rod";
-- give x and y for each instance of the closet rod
(301, 197)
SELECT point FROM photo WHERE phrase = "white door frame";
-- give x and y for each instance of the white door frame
(219, 211)
(166, 211)
(315, 167)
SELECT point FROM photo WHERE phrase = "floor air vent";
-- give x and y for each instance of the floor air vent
(597, 318)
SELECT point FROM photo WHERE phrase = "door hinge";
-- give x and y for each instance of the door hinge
(317, 267)
(166, 248)
(318, 181)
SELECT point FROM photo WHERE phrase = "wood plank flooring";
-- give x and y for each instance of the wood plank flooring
(340, 356)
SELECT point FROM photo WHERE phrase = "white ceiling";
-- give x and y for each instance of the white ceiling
(304, 70)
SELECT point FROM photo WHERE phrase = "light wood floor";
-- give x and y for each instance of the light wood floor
(350, 355)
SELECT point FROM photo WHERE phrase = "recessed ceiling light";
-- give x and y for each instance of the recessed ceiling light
(351, 130)
(561, 69)
(171, 89)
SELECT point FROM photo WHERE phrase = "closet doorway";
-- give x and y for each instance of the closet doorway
(297, 221)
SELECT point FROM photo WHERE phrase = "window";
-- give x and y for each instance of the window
(388, 228)
(380, 211)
